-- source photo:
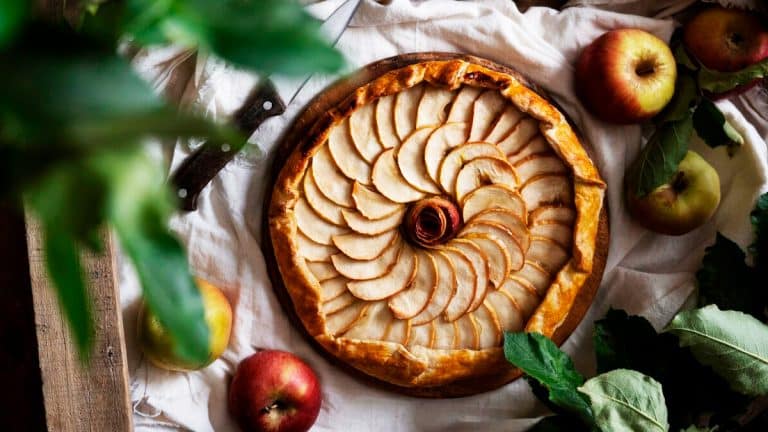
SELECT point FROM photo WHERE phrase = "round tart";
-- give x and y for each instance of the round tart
(436, 207)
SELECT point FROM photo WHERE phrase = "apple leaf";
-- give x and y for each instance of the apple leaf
(683, 59)
(759, 248)
(685, 98)
(12, 15)
(539, 358)
(712, 126)
(661, 156)
(721, 82)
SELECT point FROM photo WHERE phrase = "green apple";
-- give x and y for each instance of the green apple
(688, 200)
(626, 76)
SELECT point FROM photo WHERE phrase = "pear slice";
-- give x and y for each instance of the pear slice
(484, 171)
(398, 331)
(322, 270)
(461, 110)
(489, 327)
(346, 156)
(325, 208)
(385, 122)
(539, 163)
(527, 301)
(499, 233)
(547, 189)
(423, 335)
(339, 322)
(486, 109)
(432, 107)
(536, 145)
(409, 302)
(456, 158)
(362, 129)
(406, 106)
(410, 159)
(558, 233)
(466, 280)
(445, 335)
(372, 204)
(493, 196)
(363, 225)
(550, 255)
(391, 283)
(332, 288)
(313, 251)
(499, 259)
(538, 277)
(331, 182)
(446, 287)
(442, 140)
(520, 135)
(389, 181)
(362, 246)
(372, 324)
(313, 226)
(467, 333)
(506, 122)
(363, 270)
(553, 213)
(479, 263)
(507, 311)
(508, 220)
(338, 303)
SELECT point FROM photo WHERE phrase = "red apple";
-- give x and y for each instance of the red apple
(274, 391)
(626, 76)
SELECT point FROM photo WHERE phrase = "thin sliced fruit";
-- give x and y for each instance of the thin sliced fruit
(406, 106)
(329, 179)
(423, 335)
(508, 220)
(313, 226)
(342, 320)
(362, 128)
(507, 311)
(459, 156)
(467, 333)
(313, 251)
(548, 254)
(536, 275)
(484, 171)
(346, 156)
(504, 124)
(410, 160)
(520, 135)
(363, 270)
(322, 270)
(488, 326)
(446, 287)
(432, 107)
(363, 246)
(398, 331)
(558, 233)
(553, 213)
(461, 110)
(391, 283)
(445, 335)
(442, 140)
(372, 324)
(537, 164)
(499, 233)
(385, 122)
(486, 109)
(338, 303)
(499, 259)
(525, 299)
(547, 189)
(324, 207)
(412, 300)
(537, 144)
(361, 224)
(389, 181)
(466, 280)
(332, 288)
(493, 196)
(372, 204)
(479, 263)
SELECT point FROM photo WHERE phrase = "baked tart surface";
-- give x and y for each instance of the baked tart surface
(436, 207)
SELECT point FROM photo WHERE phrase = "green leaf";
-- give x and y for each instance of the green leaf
(683, 59)
(685, 98)
(542, 360)
(759, 248)
(721, 82)
(659, 159)
(734, 344)
(559, 423)
(12, 16)
(626, 400)
(712, 126)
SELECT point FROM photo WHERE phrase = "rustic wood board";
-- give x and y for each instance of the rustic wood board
(294, 136)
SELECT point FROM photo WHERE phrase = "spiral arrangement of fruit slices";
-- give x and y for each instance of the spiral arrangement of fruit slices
(470, 146)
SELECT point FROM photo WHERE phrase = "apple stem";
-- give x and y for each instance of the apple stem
(679, 182)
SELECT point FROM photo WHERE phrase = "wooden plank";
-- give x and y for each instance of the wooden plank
(78, 397)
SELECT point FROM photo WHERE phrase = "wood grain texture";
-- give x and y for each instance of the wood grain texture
(80, 397)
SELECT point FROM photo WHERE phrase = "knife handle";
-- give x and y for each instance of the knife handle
(197, 170)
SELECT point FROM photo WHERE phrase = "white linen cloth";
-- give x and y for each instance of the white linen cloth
(646, 273)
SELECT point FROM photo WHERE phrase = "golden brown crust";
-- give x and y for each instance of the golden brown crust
(419, 367)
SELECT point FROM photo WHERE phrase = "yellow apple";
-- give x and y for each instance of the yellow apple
(159, 346)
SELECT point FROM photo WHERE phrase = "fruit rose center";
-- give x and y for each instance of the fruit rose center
(432, 221)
